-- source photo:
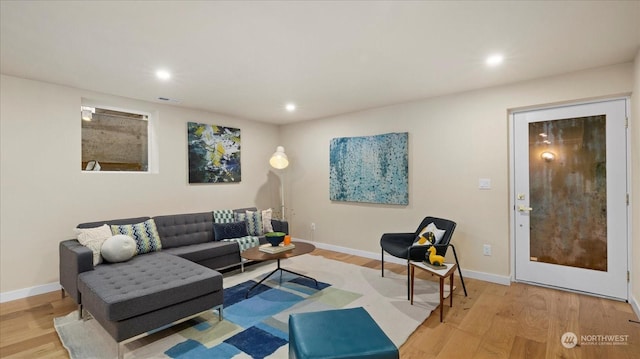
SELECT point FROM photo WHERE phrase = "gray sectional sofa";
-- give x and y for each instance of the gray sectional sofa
(154, 289)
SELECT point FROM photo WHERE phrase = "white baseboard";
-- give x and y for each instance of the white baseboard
(487, 277)
(635, 306)
(28, 292)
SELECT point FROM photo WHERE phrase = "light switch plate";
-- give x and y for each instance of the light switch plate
(484, 183)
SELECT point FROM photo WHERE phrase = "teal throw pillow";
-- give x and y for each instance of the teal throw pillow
(223, 216)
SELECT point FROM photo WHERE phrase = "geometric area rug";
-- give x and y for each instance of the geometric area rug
(257, 327)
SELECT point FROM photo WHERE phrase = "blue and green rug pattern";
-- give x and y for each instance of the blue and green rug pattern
(257, 327)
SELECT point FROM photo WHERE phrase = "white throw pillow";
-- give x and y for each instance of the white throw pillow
(266, 220)
(93, 238)
(118, 248)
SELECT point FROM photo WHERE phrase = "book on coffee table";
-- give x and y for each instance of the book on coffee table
(268, 248)
(443, 266)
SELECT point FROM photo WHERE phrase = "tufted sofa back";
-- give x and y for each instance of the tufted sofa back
(184, 229)
(113, 222)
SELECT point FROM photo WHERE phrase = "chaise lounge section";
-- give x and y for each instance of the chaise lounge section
(147, 292)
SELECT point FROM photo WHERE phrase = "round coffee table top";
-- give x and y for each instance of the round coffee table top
(255, 254)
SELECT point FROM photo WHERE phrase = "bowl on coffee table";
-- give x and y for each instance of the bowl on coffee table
(275, 238)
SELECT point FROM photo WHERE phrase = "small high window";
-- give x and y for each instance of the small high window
(114, 140)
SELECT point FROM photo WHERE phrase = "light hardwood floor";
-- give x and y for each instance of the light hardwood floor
(494, 321)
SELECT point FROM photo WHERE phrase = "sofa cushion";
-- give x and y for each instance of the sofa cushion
(144, 284)
(203, 251)
(145, 234)
(184, 229)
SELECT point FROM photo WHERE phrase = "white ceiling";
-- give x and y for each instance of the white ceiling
(247, 59)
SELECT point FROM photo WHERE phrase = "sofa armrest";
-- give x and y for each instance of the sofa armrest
(280, 225)
(74, 259)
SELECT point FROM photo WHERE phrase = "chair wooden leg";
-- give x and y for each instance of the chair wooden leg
(382, 260)
(459, 271)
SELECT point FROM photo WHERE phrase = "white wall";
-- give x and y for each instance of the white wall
(453, 141)
(44, 195)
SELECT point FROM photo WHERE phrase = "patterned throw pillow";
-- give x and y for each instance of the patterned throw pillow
(254, 223)
(145, 234)
(229, 230)
(240, 216)
(437, 235)
(93, 238)
(223, 216)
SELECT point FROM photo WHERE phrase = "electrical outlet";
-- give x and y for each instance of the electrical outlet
(313, 226)
(486, 249)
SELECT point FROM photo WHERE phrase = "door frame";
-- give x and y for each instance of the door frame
(512, 192)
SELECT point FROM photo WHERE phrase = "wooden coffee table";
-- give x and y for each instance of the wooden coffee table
(254, 254)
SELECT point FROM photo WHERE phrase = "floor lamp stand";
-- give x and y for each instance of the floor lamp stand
(282, 197)
(281, 177)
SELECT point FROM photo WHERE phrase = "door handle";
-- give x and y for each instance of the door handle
(522, 208)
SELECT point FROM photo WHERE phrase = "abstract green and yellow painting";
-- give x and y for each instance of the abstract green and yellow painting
(214, 153)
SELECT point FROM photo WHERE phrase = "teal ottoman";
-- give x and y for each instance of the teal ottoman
(342, 333)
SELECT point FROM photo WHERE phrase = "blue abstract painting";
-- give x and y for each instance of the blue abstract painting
(371, 169)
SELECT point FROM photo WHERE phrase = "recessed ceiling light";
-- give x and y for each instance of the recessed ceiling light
(163, 74)
(495, 60)
(290, 107)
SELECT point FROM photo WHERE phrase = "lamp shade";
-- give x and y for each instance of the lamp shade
(279, 159)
